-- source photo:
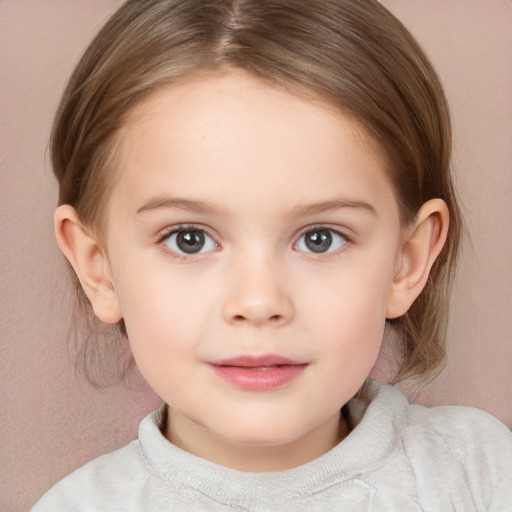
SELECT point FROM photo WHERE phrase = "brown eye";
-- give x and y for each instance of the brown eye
(320, 241)
(190, 241)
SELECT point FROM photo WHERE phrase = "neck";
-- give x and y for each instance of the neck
(193, 438)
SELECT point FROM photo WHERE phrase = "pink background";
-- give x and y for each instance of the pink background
(52, 421)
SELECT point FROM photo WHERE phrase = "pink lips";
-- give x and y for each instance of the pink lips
(258, 373)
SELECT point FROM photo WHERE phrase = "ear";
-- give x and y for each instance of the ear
(90, 263)
(422, 243)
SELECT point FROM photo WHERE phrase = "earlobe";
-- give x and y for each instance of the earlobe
(423, 241)
(89, 262)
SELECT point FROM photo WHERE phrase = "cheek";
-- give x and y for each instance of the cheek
(164, 332)
(351, 312)
(163, 313)
(357, 296)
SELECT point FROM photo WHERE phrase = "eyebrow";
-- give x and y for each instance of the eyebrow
(335, 204)
(159, 203)
(206, 208)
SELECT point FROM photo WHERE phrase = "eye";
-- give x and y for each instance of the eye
(320, 240)
(189, 241)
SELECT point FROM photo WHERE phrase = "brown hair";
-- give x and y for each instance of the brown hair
(352, 53)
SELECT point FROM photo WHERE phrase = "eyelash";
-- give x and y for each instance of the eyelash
(167, 233)
(325, 227)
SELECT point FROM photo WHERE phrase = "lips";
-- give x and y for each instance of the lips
(258, 373)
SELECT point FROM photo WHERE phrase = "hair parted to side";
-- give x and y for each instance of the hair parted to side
(353, 54)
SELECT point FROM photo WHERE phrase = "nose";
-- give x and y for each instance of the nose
(257, 296)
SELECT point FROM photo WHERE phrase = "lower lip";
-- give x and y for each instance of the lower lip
(251, 379)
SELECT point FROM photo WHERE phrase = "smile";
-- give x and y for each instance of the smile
(258, 373)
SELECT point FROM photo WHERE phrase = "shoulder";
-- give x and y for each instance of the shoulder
(98, 483)
(466, 434)
(462, 446)
(465, 430)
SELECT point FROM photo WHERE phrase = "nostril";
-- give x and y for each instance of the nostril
(242, 318)
(250, 310)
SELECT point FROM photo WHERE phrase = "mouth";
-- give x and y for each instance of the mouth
(258, 373)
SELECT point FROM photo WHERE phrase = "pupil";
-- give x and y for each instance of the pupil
(190, 241)
(319, 241)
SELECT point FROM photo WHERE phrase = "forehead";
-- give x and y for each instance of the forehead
(235, 131)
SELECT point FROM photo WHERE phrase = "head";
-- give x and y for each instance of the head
(352, 57)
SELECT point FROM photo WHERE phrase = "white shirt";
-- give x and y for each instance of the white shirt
(398, 458)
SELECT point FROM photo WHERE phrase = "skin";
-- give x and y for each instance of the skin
(254, 168)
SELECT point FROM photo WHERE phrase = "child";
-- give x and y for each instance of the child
(258, 192)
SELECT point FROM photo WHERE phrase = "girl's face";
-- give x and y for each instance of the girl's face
(253, 238)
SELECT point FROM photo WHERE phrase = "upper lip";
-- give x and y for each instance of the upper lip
(255, 361)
